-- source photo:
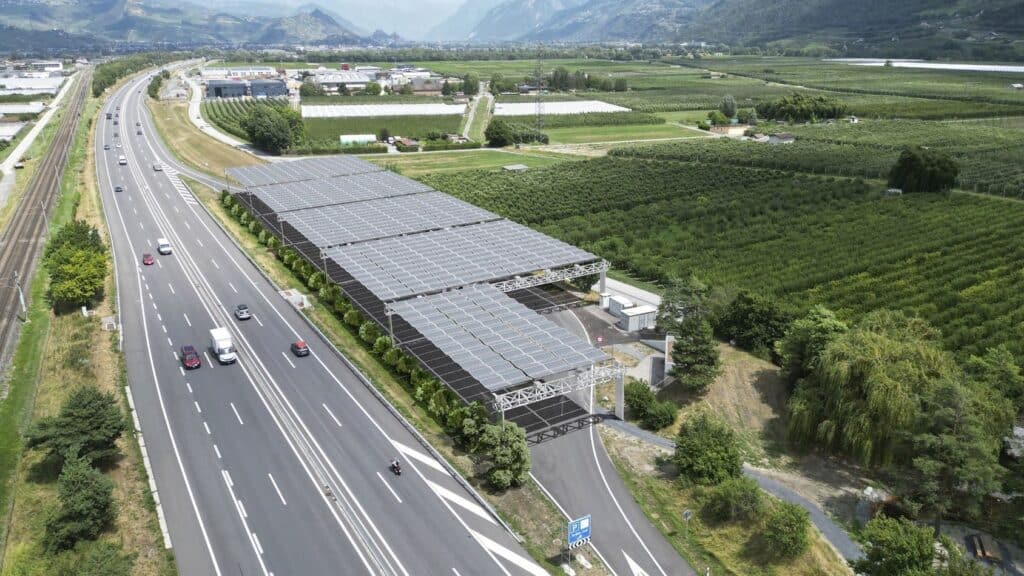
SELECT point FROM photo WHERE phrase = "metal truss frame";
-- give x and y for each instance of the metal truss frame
(552, 276)
(544, 390)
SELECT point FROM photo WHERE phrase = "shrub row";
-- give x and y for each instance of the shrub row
(446, 145)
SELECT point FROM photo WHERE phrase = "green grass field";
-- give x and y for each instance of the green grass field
(408, 126)
(629, 132)
(415, 165)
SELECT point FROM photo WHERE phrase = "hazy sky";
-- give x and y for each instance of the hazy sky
(410, 18)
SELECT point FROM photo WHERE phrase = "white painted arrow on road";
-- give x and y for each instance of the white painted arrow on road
(634, 568)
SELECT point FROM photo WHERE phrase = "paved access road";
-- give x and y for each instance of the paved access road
(276, 464)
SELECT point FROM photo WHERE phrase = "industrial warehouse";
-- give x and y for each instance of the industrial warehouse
(454, 285)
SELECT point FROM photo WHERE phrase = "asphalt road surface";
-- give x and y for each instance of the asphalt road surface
(275, 464)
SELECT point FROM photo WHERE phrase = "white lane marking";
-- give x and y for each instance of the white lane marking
(214, 262)
(159, 317)
(186, 225)
(633, 566)
(331, 414)
(412, 453)
(276, 489)
(287, 359)
(550, 497)
(390, 489)
(176, 211)
(207, 426)
(200, 242)
(164, 328)
(257, 318)
(227, 478)
(252, 536)
(509, 555)
(217, 450)
(135, 211)
(169, 343)
(456, 572)
(205, 353)
(241, 509)
(154, 303)
(182, 369)
(187, 385)
(141, 226)
(461, 501)
(159, 264)
(150, 294)
(198, 409)
(235, 290)
(256, 543)
(235, 410)
(171, 287)
(187, 321)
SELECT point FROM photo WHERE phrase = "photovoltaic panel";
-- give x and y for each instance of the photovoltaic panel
(300, 170)
(495, 339)
(290, 196)
(405, 266)
(381, 218)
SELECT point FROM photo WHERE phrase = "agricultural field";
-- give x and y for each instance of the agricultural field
(952, 259)
(417, 165)
(623, 133)
(319, 129)
(227, 114)
(988, 154)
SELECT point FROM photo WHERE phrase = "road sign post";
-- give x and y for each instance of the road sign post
(579, 532)
(687, 514)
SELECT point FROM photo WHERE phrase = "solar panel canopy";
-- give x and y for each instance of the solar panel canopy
(301, 170)
(381, 218)
(404, 266)
(288, 196)
(497, 340)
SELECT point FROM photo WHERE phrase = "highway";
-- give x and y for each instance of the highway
(275, 464)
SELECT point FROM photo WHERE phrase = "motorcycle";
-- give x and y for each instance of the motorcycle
(396, 468)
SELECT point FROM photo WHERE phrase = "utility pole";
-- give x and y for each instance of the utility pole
(538, 80)
(21, 295)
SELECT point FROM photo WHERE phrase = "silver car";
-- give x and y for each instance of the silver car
(242, 312)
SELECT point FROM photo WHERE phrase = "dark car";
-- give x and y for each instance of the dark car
(118, 188)
(242, 312)
(190, 358)
(300, 349)
(106, 146)
(148, 260)
(138, 123)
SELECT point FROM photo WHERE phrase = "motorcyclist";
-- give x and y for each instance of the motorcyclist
(395, 466)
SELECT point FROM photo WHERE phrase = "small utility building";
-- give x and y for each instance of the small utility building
(225, 88)
(637, 318)
(268, 88)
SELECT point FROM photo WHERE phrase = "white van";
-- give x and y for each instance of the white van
(122, 160)
(163, 246)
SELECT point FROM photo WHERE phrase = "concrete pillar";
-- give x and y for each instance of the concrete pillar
(620, 395)
(601, 282)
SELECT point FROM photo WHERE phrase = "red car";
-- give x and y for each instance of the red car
(300, 349)
(190, 358)
(147, 259)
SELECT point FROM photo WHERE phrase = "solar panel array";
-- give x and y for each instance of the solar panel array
(290, 196)
(497, 340)
(359, 221)
(301, 170)
(405, 266)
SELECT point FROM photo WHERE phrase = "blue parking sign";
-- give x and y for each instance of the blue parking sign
(579, 531)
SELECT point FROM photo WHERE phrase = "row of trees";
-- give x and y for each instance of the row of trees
(154, 85)
(274, 129)
(76, 259)
(502, 132)
(500, 450)
(108, 73)
(799, 107)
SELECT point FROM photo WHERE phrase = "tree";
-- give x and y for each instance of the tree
(372, 89)
(405, 90)
(707, 451)
(87, 427)
(804, 341)
(736, 499)
(92, 558)
(920, 170)
(998, 370)
(621, 85)
(499, 134)
(471, 84)
(86, 506)
(785, 530)
(955, 462)
(728, 106)
(638, 397)
(310, 89)
(497, 82)
(695, 354)
(446, 88)
(77, 276)
(895, 547)
(77, 233)
(754, 322)
(560, 79)
(504, 447)
(717, 118)
(683, 297)
(267, 128)
(864, 396)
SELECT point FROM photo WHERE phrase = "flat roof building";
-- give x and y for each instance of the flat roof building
(225, 88)
(267, 88)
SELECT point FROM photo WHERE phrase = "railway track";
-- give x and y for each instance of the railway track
(23, 238)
